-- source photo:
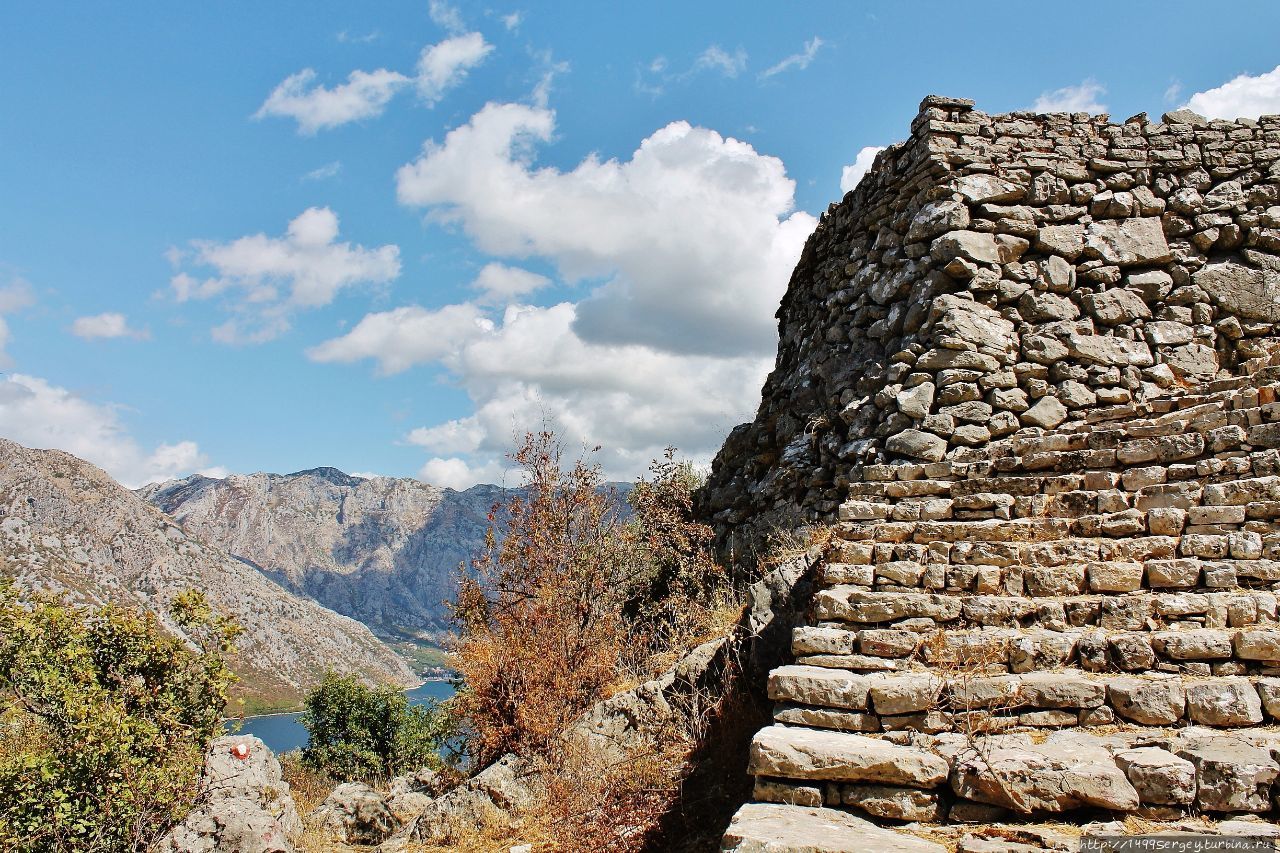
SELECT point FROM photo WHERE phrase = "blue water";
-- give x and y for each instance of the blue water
(283, 732)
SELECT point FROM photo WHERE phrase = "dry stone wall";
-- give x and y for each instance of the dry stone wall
(995, 275)
(1029, 383)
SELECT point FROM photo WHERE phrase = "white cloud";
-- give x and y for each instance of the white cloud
(35, 413)
(364, 95)
(444, 66)
(108, 325)
(798, 61)
(853, 173)
(1083, 98)
(323, 173)
(455, 473)
(403, 337)
(267, 278)
(13, 297)
(446, 16)
(1173, 93)
(1241, 97)
(512, 21)
(715, 58)
(347, 37)
(500, 284)
(694, 236)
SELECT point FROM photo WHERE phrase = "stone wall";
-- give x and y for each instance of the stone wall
(996, 275)
(1028, 382)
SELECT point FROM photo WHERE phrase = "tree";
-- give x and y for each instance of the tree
(370, 734)
(104, 719)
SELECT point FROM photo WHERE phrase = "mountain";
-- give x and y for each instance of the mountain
(67, 527)
(382, 550)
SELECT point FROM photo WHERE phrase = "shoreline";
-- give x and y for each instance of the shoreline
(435, 679)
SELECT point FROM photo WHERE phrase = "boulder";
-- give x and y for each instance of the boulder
(493, 796)
(1148, 701)
(354, 813)
(918, 444)
(973, 246)
(242, 804)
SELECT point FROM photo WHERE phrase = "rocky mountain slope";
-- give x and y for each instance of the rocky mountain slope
(381, 550)
(66, 526)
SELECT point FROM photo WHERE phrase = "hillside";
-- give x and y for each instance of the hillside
(381, 550)
(66, 526)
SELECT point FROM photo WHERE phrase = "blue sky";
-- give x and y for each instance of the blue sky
(466, 219)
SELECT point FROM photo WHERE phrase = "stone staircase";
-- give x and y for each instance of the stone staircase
(1077, 623)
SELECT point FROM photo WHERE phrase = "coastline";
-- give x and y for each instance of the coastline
(298, 709)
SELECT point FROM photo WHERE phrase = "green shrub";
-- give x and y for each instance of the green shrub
(104, 719)
(370, 734)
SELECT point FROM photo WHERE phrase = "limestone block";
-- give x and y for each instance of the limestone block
(971, 245)
(1193, 644)
(793, 753)
(1160, 778)
(1064, 240)
(1115, 577)
(1149, 701)
(772, 791)
(1061, 690)
(1231, 776)
(1113, 307)
(918, 444)
(815, 685)
(775, 828)
(1128, 242)
(1258, 644)
(894, 803)
(1048, 412)
(906, 693)
(1224, 702)
(1108, 351)
(1248, 292)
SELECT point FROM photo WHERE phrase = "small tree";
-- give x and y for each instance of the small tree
(370, 734)
(540, 616)
(104, 718)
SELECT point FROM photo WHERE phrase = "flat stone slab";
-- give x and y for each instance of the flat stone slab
(782, 752)
(772, 828)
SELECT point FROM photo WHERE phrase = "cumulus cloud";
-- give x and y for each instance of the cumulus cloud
(108, 325)
(266, 278)
(13, 298)
(444, 66)
(314, 107)
(500, 284)
(459, 474)
(798, 61)
(1083, 98)
(692, 239)
(512, 21)
(403, 337)
(1244, 96)
(35, 413)
(853, 173)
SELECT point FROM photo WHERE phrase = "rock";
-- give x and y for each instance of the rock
(936, 218)
(1231, 776)
(1128, 242)
(1116, 352)
(493, 796)
(1196, 362)
(972, 323)
(770, 791)
(885, 801)
(1064, 240)
(1197, 644)
(787, 753)
(1184, 116)
(1151, 702)
(1048, 412)
(918, 444)
(1068, 770)
(1046, 307)
(242, 805)
(905, 694)
(1113, 307)
(1224, 702)
(772, 828)
(971, 245)
(1248, 291)
(1061, 690)
(917, 401)
(354, 813)
(982, 189)
(1160, 778)
(1258, 644)
(816, 685)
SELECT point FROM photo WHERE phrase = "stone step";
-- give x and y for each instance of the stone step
(1180, 648)
(933, 701)
(774, 828)
(1184, 573)
(990, 776)
(859, 607)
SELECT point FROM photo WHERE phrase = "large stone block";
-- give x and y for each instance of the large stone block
(789, 753)
(1127, 242)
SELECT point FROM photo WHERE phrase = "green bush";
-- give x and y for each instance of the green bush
(370, 734)
(104, 719)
